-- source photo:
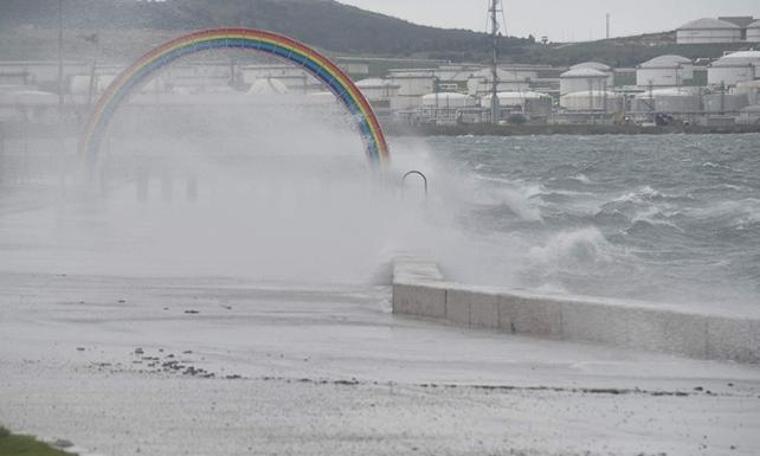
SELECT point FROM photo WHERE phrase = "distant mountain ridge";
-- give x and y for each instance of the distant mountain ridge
(28, 30)
(324, 23)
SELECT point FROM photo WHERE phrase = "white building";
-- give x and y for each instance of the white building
(378, 90)
(673, 100)
(734, 68)
(526, 102)
(268, 86)
(594, 100)
(583, 79)
(751, 89)
(708, 30)
(665, 71)
(448, 100)
(749, 115)
(445, 107)
(753, 32)
(723, 103)
(509, 80)
(599, 67)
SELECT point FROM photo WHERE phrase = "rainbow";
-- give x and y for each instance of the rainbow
(270, 43)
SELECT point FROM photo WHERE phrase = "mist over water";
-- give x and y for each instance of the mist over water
(277, 189)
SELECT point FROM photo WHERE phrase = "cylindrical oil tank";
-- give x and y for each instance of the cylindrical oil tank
(529, 102)
(670, 100)
(708, 30)
(753, 32)
(594, 100)
(751, 89)
(729, 102)
(447, 100)
(734, 68)
(664, 71)
(583, 79)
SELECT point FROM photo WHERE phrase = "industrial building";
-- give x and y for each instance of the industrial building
(753, 32)
(665, 71)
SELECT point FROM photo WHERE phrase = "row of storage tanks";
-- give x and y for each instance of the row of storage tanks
(665, 71)
(667, 82)
(720, 30)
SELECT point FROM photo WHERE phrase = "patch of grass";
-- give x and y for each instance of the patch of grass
(22, 445)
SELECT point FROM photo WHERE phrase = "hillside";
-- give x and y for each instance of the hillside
(127, 28)
(326, 24)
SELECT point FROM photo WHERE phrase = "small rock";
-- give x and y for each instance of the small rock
(81, 349)
(139, 351)
(187, 352)
(699, 388)
(192, 312)
(122, 301)
(62, 443)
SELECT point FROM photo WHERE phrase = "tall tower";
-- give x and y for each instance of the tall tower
(608, 25)
(495, 19)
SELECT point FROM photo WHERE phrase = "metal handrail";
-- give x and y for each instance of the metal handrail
(418, 173)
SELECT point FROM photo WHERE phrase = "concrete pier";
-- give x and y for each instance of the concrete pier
(420, 290)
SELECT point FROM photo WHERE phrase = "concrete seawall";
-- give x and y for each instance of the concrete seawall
(420, 290)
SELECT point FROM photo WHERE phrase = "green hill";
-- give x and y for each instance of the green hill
(326, 24)
(127, 28)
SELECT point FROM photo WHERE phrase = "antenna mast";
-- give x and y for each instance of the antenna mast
(495, 8)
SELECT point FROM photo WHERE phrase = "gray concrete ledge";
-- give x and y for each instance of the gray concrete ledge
(420, 290)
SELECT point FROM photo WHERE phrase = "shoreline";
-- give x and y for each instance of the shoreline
(569, 130)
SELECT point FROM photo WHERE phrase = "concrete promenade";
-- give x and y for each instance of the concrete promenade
(419, 289)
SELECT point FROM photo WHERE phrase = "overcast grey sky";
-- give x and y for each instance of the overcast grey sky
(563, 20)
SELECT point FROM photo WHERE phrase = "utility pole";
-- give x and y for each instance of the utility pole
(494, 10)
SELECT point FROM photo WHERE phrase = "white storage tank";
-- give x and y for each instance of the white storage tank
(606, 69)
(753, 32)
(734, 68)
(480, 83)
(708, 30)
(378, 90)
(729, 102)
(448, 100)
(528, 102)
(594, 100)
(583, 79)
(749, 116)
(414, 83)
(268, 86)
(672, 100)
(751, 89)
(664, 71)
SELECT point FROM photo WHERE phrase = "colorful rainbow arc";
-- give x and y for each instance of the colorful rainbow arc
(274, 44)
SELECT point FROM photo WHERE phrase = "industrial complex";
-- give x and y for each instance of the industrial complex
(668, 89)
